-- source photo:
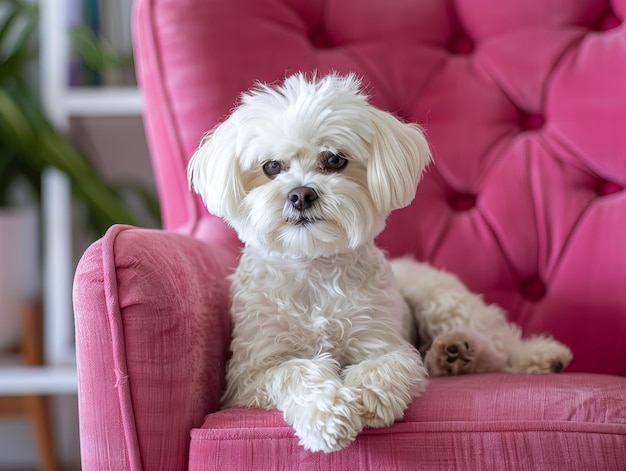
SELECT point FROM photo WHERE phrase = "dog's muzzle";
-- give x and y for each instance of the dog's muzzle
(302, 197)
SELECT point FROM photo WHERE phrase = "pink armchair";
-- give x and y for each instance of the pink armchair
(524, 104)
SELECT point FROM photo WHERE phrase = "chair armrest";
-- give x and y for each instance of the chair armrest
(152, 339)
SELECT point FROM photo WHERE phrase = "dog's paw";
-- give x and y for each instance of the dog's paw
(462, 351)
(380, 409)
(450, 355)
(542, 355)
(387, 385)
(330, 424)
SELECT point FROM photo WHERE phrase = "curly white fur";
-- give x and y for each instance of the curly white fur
(462, 334)
(307, 173)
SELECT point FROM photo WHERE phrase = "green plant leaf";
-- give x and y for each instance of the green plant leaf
(15, 126)
(96, 52)
(29, 142)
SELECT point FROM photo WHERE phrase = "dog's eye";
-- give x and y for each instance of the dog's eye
(334, 162)
(272, 168)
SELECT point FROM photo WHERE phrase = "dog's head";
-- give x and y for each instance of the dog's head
(308, 168)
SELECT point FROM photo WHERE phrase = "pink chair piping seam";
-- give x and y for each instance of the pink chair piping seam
(118, 346)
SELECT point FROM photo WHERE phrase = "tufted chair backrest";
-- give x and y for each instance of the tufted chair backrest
(524, 105)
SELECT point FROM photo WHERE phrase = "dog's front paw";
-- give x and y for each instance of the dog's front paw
(330, 423)
(387, 385)
(380, 409)
(462, 351)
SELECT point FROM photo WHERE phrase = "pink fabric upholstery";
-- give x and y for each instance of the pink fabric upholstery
(471, 422)
(524, 103)
(151, 338)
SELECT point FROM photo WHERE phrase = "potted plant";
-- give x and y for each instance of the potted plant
(29, 143)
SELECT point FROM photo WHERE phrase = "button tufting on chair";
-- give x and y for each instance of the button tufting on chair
(532, 122)
(605, 188)
(609, 22)
(320, 40)
(533, 289)
(462, 45)
(462, 201)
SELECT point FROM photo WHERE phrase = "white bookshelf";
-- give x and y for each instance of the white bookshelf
(104, 101)
(17, 380)
(62, 103)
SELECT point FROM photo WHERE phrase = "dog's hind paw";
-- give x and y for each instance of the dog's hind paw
(462, 351)
(450, 356)
(540, 355)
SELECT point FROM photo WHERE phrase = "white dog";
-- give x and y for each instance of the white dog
(307, 173)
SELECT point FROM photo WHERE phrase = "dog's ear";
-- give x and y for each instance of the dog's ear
(214, 172)
(399, 155)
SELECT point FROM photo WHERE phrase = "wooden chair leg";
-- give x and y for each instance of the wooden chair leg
(36, 407)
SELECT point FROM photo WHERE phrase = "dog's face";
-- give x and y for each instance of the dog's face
(309, 168)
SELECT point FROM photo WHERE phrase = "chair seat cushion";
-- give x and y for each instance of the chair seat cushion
(494, 421)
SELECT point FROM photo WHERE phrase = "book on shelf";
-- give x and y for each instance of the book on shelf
(101, 29)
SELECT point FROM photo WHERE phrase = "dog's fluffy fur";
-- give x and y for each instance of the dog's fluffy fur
(460, 333)
(306, 173)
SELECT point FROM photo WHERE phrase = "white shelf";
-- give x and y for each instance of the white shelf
(61, 103)
(103, 101)
(16, 380)
(58, 325)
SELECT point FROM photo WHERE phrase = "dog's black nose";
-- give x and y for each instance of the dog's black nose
(302, 197)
